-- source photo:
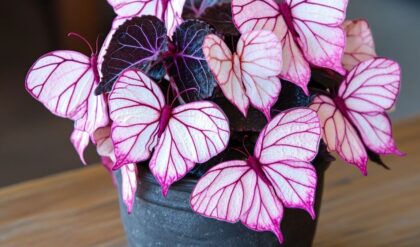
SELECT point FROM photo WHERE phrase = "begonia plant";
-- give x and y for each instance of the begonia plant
(176, 84)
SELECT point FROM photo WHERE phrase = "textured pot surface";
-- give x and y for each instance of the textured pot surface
(160, 221)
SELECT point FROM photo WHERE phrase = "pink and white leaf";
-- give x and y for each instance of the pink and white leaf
(80, 141)
(372, 86)
(339, 134)
(294, 183)
(260, 56)
(252, 191)
(195, 133)
(173, 15)
(370, 90)
(129, 185)
(320, 35)
(376, 132)
(232, 191)
(135, 108)
(310, 32)
(64, 82)
(250, 76)
(249, 15)
(266, 210)
(291, 135)
(359, 43)
(129, 172)
(226, 71)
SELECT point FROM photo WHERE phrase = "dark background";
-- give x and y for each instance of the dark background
(35, 143)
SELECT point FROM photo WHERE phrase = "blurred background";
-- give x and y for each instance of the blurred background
(34, 143)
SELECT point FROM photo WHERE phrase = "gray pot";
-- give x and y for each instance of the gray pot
(159, 221)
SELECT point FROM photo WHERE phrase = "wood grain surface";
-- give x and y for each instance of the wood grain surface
(80, 208)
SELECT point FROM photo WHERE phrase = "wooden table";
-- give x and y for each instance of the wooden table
(79, 208)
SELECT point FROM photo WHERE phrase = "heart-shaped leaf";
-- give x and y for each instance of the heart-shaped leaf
(137, 43)
(187, 65)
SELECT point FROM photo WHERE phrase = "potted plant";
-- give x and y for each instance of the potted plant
(227, 110)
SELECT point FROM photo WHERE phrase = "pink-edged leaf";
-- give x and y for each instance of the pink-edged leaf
(195, 133)
(369, 90)
(136, 44)
(372, 86)
(167, 163)
(232, 191)
(135, 107)
(251, 74)
(129, 185)
(225, 192)
(294, 183)
(266, 210)
(80, 140)
(359, 43)
(291, 135)
(251, 15)
(173, 15)
(376, 132)
(104, 147)
(64, 82)
(260, 57)
(339, 134)
(284, 148)
(310, 31)
(187, 65)
(226, 68)
(320, 35)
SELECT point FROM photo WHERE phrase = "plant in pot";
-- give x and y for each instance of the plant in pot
(224, 110)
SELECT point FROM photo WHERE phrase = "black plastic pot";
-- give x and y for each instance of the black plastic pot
(160, 221)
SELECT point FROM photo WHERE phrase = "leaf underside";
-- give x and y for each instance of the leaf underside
(137, 43)
(187, 65)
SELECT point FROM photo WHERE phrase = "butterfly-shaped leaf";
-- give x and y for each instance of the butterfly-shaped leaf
(359, 43)
(278, 174)
(64, 82)
(177, 137)
(356, 117)
(248, 76)
(310, 32)
(138, 43)
(187, 65)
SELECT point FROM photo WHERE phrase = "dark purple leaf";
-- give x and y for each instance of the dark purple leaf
(220, 17)
(290, 96)
(375, 158)
(137, 43)
(187, 65)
